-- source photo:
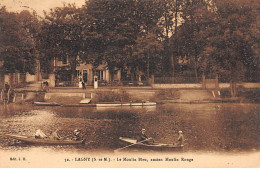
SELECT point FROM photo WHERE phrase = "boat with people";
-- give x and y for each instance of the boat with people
(45, 141)
(133, 143)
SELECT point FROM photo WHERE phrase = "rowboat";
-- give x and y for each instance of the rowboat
(149, 104)
(79, 105)
(136, 104)
(46, 104)
(125, 104)
(108, 105)
(46, 141)
(132, 143)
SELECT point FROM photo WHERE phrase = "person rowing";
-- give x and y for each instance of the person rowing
(76, 134)
(143, 137)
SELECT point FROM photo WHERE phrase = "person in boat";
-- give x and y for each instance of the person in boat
(76, 134)
(54, 135)
(180, 139)
(40, 135)
(142, 137)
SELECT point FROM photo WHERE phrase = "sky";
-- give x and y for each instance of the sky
(37, 5)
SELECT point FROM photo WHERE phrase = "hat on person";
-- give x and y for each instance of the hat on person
(76, 130)
(180, 132)
(143, 129)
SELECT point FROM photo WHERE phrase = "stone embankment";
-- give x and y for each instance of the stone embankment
(74, 95)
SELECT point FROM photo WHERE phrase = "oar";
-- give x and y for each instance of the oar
(131, 145)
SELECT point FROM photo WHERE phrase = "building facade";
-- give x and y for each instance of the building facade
(84, 72)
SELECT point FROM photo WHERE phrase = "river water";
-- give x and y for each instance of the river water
(206, 127)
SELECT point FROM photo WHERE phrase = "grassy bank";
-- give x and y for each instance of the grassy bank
(251, 95)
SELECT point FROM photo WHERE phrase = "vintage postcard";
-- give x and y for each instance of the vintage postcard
(129, 84)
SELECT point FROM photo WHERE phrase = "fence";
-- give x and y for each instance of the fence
(102, 83)
(66, 83)
(176, 80)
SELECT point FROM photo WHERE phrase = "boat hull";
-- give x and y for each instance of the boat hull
(46, 104)
(153, 147)
(125, 104)
(32, 140)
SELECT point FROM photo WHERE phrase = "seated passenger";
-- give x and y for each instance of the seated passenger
(39, 134)
(54, 135)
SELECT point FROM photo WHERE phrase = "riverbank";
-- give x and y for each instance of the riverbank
(73, 95)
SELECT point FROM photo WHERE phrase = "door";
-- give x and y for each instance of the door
(85, 76)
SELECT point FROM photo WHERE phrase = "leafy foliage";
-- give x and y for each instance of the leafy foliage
(213, 36)
(17, 42)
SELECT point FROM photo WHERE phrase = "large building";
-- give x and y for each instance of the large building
(65, 76)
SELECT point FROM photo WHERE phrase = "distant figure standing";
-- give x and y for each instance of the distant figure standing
(180, 139)
(46, 87)
(6, 87)
(83, 85)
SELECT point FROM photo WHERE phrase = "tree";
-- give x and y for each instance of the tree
(166, 30)
(62, 35)
(231, 51)
(17, 42)
(146, 53)
(114, 29)
(190, 39)
(120, 23)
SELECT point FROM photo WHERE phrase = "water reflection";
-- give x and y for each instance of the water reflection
(142, 108)
(206, 127)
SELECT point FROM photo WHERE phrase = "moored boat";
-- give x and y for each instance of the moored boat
(149, 104)
(136, 104)
(79, 105)
(108, 104)
(46, 104)
(153, 146)
(45, 141)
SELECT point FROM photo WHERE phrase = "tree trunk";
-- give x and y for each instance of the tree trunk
(172, 60)
(148, 67)
(172, 65)
(176, 15)
(195, 69)
(73, 66)
(137, 73)
(233, 89)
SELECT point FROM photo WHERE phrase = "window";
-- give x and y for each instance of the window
(100, 74)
